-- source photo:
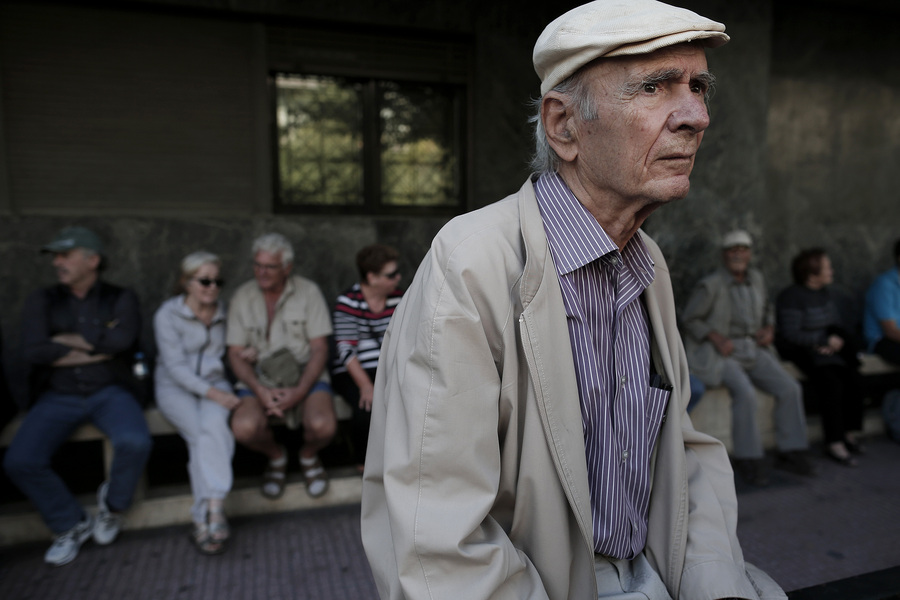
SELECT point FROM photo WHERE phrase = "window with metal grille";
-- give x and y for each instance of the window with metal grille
(367, 145)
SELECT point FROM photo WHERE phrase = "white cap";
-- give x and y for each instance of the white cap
(616, 28)
(738, 237)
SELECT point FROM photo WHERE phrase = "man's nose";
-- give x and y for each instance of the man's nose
(690, 112)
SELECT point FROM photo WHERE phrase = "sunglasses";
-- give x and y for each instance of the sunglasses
(206, 282)
(392, 274)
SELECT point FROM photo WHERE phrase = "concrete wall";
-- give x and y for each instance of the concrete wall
(805, 129)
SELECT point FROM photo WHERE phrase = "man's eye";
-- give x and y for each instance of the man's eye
(698, 88)
(651, 88)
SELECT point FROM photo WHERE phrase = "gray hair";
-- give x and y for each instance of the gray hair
(577, 88)
(275, 243)
(191, 263)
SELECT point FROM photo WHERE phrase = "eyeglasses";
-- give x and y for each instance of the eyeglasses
(263, 267)
(392, 275)
(206, 282)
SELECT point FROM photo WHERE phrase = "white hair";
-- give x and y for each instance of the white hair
(191, 263)
(576, 87)
(275, 243)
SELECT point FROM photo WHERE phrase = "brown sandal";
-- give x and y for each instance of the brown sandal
(204, 541)
(315, 477)
(274, 478)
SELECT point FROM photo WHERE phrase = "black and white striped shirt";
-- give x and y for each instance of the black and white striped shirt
(357, 330)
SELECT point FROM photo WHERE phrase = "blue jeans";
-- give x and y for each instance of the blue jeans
(50, 422)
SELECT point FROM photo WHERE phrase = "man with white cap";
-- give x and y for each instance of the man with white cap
(78, 338)
(529, 437)
(729, 330)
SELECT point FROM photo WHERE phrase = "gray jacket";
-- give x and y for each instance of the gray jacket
(709, 309)
(190, 353)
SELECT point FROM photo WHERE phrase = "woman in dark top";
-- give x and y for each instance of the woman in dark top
(811, 336)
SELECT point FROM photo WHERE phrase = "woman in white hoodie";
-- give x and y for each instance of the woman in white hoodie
(194, 394)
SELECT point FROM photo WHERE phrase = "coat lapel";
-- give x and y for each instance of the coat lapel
(545, 341)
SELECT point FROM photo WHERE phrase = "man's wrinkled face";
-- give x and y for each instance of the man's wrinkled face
(270, 273)
(737, 259)
(75, 266)
(651, 115)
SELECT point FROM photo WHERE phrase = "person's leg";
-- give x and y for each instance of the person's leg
(747, 443)
(182, 409)
(215, 450)
(889, 350)
(359, 426)
(251, 427)
(697, 391)
(120, 417)
(790, 421)
(319, 420)
(47, 425)
(829, 389)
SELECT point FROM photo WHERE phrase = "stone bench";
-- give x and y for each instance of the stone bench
(712, 414)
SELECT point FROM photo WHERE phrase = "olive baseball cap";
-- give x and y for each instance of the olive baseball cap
(74, 237)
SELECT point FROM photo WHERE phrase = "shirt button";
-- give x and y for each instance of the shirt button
(624, 380)
(625, 456)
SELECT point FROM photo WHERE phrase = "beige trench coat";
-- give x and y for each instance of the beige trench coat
(476, 481)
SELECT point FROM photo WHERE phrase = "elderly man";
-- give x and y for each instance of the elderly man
(729, 330)
(529, 436)
(881, 318)
(78, 337)
(278, 328)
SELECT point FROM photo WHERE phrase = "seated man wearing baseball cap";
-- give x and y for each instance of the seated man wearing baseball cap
(529, 434)
(77, 337)
(729, 331)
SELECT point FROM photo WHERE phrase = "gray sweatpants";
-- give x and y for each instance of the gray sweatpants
(204, 426)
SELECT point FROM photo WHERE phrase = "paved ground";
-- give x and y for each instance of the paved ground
(804, 532)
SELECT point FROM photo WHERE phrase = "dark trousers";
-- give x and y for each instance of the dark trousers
(836, 386)
(359, 426)
(837, 389)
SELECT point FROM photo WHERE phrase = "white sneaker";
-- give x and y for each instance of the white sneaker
(108, 524)
(66, 545)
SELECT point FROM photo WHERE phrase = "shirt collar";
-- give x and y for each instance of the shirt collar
(576, 238)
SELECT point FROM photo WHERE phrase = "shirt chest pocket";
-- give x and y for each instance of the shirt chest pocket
(657, 403)
(294, 325)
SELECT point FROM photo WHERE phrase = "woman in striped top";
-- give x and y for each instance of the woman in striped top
(361, 316)
(810, 335)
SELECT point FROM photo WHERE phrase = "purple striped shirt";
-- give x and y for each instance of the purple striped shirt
(621, 414)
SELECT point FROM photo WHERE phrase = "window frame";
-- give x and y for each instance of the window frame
(372, 202)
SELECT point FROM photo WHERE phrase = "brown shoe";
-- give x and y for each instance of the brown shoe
(794, 461)
(752, 470)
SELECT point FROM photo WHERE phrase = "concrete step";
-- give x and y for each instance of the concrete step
(170, 505)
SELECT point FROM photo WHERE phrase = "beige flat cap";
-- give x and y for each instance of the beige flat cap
(616, 28)
(738, 237)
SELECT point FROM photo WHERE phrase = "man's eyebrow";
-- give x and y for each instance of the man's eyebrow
(631, 88)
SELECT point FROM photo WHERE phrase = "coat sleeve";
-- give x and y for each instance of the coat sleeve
(433, 461)
(696, 313)
(174, 356)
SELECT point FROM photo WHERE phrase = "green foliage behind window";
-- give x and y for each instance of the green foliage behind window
(370, 144)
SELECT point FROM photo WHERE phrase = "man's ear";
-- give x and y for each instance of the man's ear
(558, 120)
(94, 261)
